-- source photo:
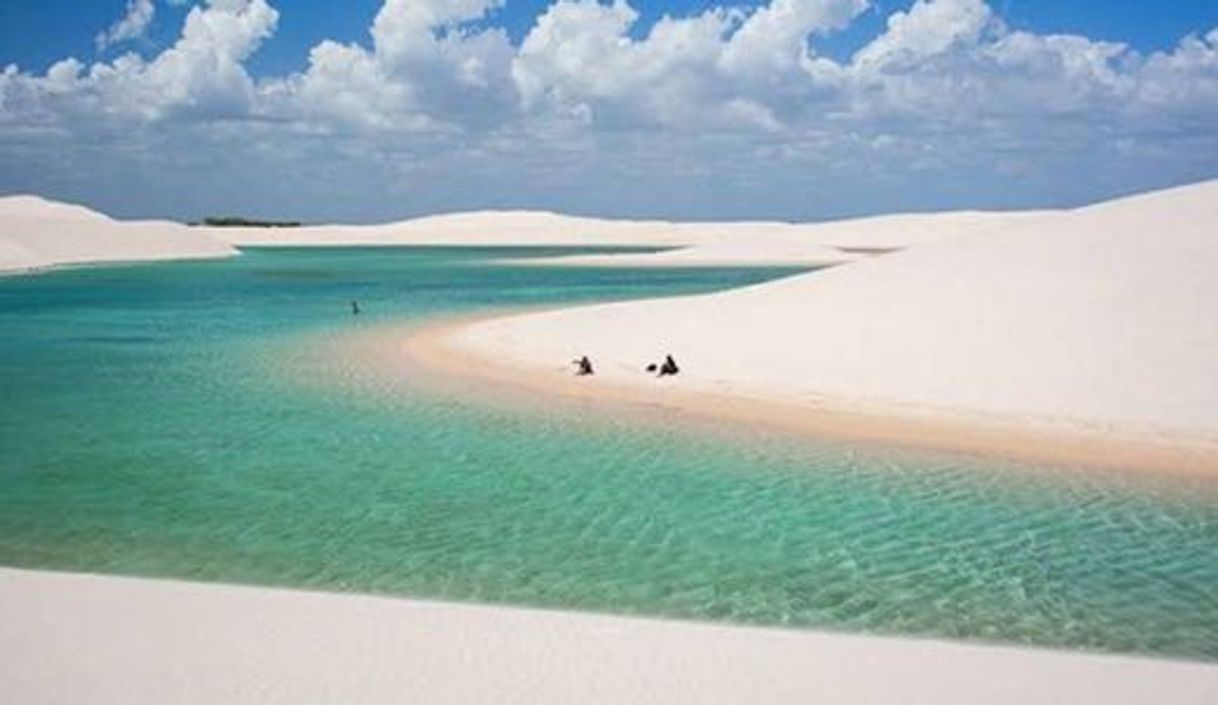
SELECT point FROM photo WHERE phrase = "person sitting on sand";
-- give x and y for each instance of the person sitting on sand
(584, 366)
(669, 367)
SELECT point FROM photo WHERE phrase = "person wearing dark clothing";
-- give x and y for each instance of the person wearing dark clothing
(584, 366)
(354, 308)
(669, 367)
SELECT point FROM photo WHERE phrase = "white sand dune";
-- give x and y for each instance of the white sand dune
(694, 244)
(73, 638)
(804, 244)
(480, 228)
(37, 234)
(1104, 317)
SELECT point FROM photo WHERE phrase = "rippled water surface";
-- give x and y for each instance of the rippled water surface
(178, 420)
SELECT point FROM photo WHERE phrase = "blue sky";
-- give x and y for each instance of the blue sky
(790, 109)
(34, 34)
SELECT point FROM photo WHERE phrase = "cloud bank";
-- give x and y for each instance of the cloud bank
(730, 112)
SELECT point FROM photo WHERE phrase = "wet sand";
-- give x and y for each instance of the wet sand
(437, 350)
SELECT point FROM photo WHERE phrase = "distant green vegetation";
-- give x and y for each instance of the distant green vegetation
(235, 222)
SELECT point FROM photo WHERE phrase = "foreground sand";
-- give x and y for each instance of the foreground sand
(70, 638)
(1100, 322)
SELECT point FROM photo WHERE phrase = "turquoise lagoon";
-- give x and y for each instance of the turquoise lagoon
(177, 420)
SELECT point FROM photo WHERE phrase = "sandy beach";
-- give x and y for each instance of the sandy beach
(70, 638)
(453, 365)
(1087, 331)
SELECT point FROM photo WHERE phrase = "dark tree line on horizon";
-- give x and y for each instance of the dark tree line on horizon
(238, 222)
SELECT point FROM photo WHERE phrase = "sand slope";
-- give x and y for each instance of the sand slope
(36, 234)
(72, 638)
(1106, 316)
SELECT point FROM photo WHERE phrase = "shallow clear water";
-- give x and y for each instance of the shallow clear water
(177, 420)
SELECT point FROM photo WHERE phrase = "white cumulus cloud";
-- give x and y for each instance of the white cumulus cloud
(732, 110)
(202, 73)
(132, 25)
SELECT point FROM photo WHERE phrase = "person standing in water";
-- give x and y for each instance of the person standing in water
(354, 307)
